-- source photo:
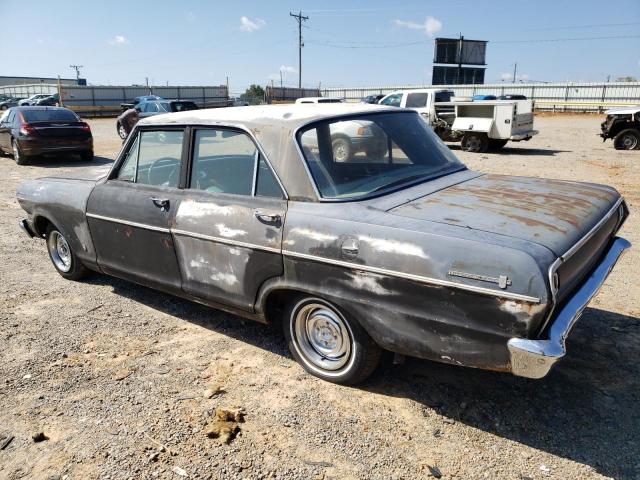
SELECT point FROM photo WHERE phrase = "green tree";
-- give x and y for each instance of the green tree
(255, 91)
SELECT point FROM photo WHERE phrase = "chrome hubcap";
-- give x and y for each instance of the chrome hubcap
(629, 142)
(340, 153)
(60, 251)
(123, 134)
(322, 336)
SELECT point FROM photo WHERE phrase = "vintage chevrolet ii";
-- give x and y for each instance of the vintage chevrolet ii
(267, 212)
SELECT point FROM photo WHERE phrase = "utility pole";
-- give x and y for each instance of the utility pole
(281, 78)
(77, 69)
(459, 72)
(299, 18)
(515, 69)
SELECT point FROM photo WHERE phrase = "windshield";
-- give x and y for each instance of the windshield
(358, 156)
(443, 96)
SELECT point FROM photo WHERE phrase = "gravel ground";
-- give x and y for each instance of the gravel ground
(124, 381)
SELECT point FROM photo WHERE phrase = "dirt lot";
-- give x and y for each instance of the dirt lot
(114, 374)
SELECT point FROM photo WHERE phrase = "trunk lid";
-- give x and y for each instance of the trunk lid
(60, 129)
(552, 213)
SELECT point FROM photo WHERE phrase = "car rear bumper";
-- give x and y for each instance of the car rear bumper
(535, 358)
(516, 137)
(54, 145)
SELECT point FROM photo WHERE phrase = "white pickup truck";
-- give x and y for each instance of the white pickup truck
(479, 125)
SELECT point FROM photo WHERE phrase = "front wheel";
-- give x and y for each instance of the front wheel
(341, 150)
(628, 139)
(475, 142)
(62, 256)
(327, 344)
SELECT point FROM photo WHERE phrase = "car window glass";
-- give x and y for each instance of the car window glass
(223, 162)
(12, 116)
(57, 115)
(417, 100)
(127, 171)
(266, 183)
(393, 100)
(159, 158)
(151, 107)
(164, 107)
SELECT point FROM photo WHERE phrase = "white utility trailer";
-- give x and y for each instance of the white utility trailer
(489, 124)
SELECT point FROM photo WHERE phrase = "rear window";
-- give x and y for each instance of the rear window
(183, 106)
(417, 100)
(329, 100)
(33, 115)
(443, 96)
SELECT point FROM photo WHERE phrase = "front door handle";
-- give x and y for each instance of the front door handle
(161, 203)
(267, 217)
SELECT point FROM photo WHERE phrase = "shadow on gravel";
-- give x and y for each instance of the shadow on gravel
(542, 152)
(58, 161)
(586, 410)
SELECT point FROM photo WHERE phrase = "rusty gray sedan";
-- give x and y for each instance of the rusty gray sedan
(353, 225)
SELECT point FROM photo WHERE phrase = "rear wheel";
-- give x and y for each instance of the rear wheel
(327, 344)
(87, 156)
(628, 139)
(122, 133)
(475, 142)
(62, 256)
(17, 154)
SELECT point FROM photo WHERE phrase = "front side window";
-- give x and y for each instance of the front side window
(158, 158)
(223, 162)
(392, 100)
(353, 157)
(127, 172)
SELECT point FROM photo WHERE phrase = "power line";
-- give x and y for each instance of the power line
(299, 18)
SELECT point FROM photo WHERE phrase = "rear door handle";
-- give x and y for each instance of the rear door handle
(267, 217)
(161, 203)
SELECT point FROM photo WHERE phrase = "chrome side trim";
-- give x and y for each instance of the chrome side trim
(534, 358)
(569, 253)
(127, 222)
(226, 241)
(562, 258)
(417, 278)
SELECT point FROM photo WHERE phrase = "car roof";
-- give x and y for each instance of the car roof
(39, 107)
(274, 128)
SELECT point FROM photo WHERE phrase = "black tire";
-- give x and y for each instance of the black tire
(495, 144)
(628, 139)
(376, 153)
(354, 365)
(3, 107)
(87, 156)
(121, 131)
(67, 265)
(475, 142)
(342, 149)
(18, 156)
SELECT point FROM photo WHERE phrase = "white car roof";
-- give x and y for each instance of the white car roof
(623, 110)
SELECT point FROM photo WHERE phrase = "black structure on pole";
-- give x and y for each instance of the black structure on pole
(77, 69)
(299, 18)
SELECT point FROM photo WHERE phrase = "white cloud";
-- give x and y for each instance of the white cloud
(430, 27)
(286, 71)
(248, 25)
(118, 41)
(508, 77)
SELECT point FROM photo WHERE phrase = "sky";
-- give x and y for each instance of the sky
(358, 43)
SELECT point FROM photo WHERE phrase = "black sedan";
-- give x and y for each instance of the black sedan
(31, 131)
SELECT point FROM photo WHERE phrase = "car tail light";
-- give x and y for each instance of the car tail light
(26, 129)
(85, 126)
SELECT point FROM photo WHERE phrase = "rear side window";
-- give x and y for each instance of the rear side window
(393, 100)
(36, 115)
(223, 162)
(417, 100)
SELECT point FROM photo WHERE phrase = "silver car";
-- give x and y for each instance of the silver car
(402, 249)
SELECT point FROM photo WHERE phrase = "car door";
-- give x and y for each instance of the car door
(130, 215)
(228, 227)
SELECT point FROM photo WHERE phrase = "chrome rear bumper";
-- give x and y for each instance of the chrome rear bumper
(534, 358)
